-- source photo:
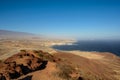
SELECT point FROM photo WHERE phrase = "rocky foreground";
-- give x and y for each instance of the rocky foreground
(39, 65)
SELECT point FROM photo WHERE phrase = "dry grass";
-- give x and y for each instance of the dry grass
(44, 55)
(88, 69)
(65, 72)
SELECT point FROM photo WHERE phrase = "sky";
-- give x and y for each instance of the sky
(81, 19)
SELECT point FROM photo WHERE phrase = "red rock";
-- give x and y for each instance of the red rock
(19, 64)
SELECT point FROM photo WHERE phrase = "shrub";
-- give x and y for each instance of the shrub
(23, 51)
(65, 71)
(45, 56)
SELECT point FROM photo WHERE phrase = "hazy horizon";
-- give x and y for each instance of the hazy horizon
(79, 19)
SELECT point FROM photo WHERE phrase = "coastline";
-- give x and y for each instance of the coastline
(78, 52)
(59, 43)
(67, 42)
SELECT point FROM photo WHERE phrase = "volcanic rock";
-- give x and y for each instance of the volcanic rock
(21, 64)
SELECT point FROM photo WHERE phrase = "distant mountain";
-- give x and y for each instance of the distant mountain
(15, 34)
(6, 32)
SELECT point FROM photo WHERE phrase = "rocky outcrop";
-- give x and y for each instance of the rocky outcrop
(21, 64)
(39, 65)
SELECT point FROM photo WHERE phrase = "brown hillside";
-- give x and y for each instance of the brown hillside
(39, 65)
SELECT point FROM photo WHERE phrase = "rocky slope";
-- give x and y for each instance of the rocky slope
(20, 64)
(39, 65)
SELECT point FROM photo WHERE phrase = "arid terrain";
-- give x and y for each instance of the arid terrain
(15, 45)
(33, 59)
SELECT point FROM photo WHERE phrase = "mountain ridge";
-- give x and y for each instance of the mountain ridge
(15, 34)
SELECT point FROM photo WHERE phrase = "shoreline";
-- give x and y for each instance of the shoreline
(87, 54)
(69, 42)
(78, 51)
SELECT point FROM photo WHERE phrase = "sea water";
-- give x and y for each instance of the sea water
(94, 45)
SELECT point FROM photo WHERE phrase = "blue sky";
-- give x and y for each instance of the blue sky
(83, 19)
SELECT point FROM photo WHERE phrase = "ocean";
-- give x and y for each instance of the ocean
(100, 46)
